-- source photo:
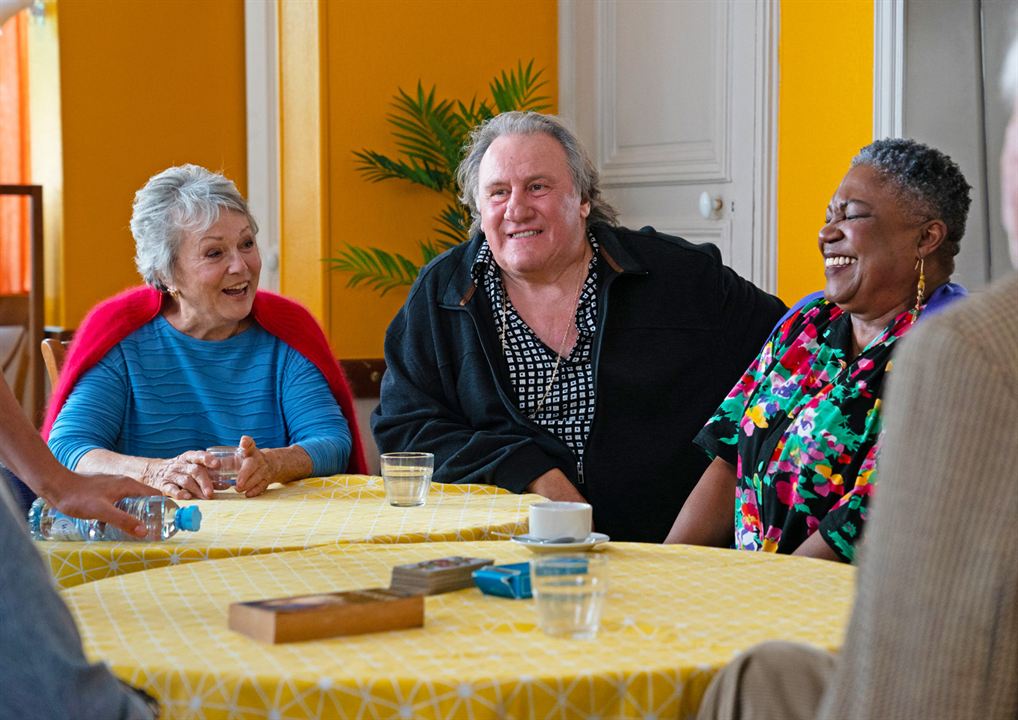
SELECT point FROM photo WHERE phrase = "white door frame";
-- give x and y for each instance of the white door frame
(888, 67)
(261, 54)
(764, 250)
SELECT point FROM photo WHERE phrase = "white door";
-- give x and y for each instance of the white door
(674, 99)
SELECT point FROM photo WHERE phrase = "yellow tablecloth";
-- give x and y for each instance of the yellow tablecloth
(672, 617)
(304, 514)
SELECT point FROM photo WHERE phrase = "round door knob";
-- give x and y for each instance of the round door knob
(710, 205)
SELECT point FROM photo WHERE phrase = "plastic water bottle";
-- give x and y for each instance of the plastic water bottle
(161, 516)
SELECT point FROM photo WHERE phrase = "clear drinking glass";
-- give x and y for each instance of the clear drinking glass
(229, 465)
(407, 477)
(569, 592)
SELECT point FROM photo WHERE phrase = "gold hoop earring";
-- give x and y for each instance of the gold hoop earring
(920, 290)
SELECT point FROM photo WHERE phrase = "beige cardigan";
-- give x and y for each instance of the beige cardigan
(934, 630)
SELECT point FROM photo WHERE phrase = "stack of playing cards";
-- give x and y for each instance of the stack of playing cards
(309, 617)
(431, 577)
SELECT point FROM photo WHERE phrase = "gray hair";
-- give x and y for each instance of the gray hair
(585, 177)
(928, 181)
(177, 201)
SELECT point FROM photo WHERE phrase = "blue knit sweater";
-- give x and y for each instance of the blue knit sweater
(160, 392)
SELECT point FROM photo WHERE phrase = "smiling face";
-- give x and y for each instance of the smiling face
(215, 277)
(870, 244)
(531, 213)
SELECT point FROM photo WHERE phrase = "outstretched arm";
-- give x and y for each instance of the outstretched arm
(24, 452)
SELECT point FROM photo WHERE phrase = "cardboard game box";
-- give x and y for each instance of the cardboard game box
(310, 617)
(511, 581)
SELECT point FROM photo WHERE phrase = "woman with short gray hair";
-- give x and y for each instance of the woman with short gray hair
(179, 200)
(795, 443)
(201, 357)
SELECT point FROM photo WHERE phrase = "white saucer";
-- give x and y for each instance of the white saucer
(591, 541)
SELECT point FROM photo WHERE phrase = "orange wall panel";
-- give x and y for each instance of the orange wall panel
(144, 85)
(825, 117)
(373, 48)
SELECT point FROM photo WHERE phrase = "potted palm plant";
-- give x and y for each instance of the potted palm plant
(430, 135)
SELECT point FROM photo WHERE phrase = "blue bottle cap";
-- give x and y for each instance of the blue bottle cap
(189, 518)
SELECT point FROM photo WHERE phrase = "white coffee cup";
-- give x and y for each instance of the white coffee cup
(553, 520)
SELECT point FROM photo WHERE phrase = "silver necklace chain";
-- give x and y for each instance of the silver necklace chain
(562, 343)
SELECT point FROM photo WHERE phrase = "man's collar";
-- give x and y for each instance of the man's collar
(613, 253)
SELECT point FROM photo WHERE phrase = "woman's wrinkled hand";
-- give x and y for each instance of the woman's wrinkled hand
(184, 477)
(256, 471)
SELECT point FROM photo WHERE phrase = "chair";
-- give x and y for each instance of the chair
(53, 352)
(365, 377)
(27, 311)
(14, 354)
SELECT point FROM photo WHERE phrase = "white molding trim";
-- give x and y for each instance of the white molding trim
(763, 270)
(669, 163)
(691, 229)
(888, 67)
(566, 61)
(261, 54)
(765, 181)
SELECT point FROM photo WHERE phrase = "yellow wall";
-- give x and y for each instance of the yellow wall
(373, 48)
(825, 116)
(137, 97)
(144, 85)
(46, 146)
(303, 141)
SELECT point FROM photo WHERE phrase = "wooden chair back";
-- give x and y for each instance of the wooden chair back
(32, 394)
(53, 352)
(15, 356)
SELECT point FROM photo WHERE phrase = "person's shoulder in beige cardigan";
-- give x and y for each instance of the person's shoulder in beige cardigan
(934, 629)
(935, 623)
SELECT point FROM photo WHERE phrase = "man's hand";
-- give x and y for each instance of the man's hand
(92, 497)
(554, 485)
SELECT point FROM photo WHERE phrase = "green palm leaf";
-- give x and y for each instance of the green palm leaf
(429, 137)
(376, 268)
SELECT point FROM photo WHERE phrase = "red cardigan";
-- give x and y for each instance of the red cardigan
(112, 320)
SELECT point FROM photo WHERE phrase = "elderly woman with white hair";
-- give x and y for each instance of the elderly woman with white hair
(200, 357)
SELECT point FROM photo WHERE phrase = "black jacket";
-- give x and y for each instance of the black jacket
(675, 330)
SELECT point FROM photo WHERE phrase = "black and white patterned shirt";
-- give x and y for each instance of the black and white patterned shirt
(569, 407)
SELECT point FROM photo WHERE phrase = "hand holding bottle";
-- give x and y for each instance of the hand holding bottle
(94, 497)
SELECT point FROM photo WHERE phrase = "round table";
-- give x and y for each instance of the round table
(300, 515)
(673, 616)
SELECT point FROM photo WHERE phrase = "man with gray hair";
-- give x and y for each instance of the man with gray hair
(558, 353)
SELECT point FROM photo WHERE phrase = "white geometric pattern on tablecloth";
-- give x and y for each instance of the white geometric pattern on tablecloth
(301, 515)
(673, 616)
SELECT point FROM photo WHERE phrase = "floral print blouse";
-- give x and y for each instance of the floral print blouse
(802, 429)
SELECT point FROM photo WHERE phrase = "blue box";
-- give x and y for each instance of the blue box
(511, 581)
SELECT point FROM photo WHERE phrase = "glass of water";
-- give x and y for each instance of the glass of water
(229, 465)
(407, 477)
(569, 593)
